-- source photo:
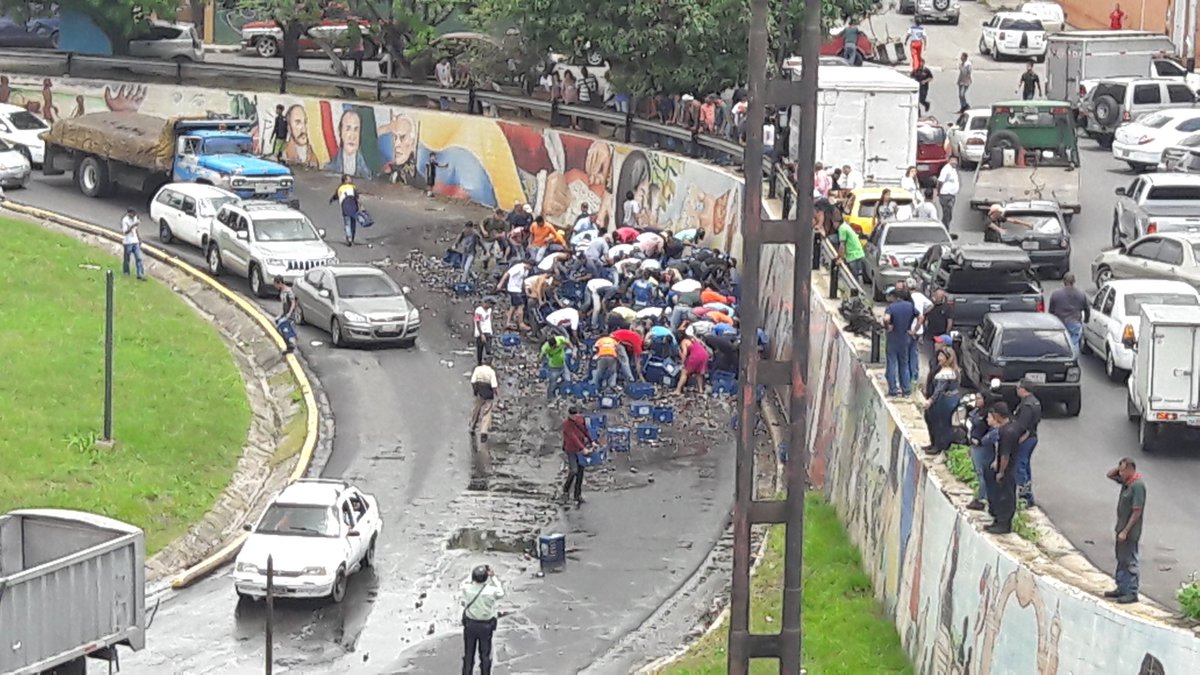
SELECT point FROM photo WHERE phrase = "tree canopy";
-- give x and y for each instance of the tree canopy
(119, 20)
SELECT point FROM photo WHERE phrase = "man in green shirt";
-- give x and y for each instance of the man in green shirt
(850, 249)
(554, 353)
(1130, 505)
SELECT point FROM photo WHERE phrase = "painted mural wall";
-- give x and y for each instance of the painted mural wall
(488, 161)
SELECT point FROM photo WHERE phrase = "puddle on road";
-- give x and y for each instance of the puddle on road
(481, 540)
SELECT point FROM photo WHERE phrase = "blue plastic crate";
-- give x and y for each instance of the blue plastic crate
(462, 287)
(552, 551)
(724, 387)
(566, 389)
(585, 390)
(662, 371)
(510, 340)
(641, 409)
(618, 439)
(640, 390)
(572, 290)
(452, 258)
(596, 423)
(664, 414)
(610, 401)
(596, 458)
(647, 432)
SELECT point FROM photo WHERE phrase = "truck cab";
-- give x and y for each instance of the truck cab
(1164, 386)
(1031, 154)
(222, 154)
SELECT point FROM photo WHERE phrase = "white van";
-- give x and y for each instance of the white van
(1164, 386)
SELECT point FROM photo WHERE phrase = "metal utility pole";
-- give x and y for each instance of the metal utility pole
(758, 232)
(109, 309)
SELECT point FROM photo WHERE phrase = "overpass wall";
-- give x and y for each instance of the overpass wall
(961, 602)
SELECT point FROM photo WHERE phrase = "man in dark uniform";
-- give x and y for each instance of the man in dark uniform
(1003, 502)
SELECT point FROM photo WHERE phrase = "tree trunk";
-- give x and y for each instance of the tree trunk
(292, 32)
(197, 9)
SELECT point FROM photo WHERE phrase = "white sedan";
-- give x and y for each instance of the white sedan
(1115, 310)
(22, 130)
(1013, 34)
(1140, 143)
(968, 135)
(1173, 158)
(317, 533)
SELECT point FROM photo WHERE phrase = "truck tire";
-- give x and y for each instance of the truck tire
(266, 46)
(1002, 140)
(338, 592)
(91, 175)
(1147, 436)
(1107, 111)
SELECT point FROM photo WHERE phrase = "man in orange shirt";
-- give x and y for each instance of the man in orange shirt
(541, 234)
(605, 353)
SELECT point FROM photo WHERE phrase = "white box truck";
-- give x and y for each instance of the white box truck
(1076, 58)
(866, 117)
(1164, 385)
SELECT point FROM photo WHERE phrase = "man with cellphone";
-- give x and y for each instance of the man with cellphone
(479, 595)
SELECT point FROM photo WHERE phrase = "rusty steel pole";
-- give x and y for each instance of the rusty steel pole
(759, 232)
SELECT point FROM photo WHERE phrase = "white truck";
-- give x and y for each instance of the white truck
(1164, 385)
(1077, 58)
(72, 586)
(866, 117)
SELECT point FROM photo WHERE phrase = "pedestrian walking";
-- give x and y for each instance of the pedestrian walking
(1027, 416)
(480, 592)
(1071, 307)
(289, 309)
(279, 134)
(916, 43)
(1002, 492)
(947, 189)
(577, 443)
(898, 321)
(482, 321)
(346, 196)
(964, 82)
(924, 76)
(554, 355)
(132, 242)
(468, 243)
(1131, 505)
(1030, 83)
(484, 387)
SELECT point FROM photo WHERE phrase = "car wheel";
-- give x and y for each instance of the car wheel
(369, 557)
(408, 343)
(54, 40)
(1131, 411)
(335, 333)
(92, 177)
(1073, 405)
(1103, 275)
(982, 46)
(164, 232)
(258, 285)
(1147, 435)
(1084, 347)
(1114, 373)
(266, 47)
(214, 261)
(300, 315)
(338, 592)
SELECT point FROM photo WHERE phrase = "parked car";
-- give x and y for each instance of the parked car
(1114, 318)
(1157, 256)
(1013, 34)
(933, 150)
(1164, 202)
(185, 211)
(22, 130)
(38, 32)
(943, 11)
(1174, 158)
(260, 240)
(265, 38)
(968, 135)
(1030, 346)
(357, 304)
(980, 279)
(317, 533)
(1039, 229)
(1141, 143)
(1117, 100)
(1049, 13)
(894, 248)
(859, 206)
(14, 167)
(169, 42)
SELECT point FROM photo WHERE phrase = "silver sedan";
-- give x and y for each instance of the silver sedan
(357, 304)
(1174, 256)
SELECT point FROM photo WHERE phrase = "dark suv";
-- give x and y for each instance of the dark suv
(980, 278)
(1012, 346)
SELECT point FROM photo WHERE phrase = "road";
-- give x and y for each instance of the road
(1074, 454)
(400, 419)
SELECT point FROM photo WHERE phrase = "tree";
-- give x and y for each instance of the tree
(295, 19)
(652, 46)
(119, 20)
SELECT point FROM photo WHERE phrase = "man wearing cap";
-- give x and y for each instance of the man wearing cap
(132, 243)
(898, 319)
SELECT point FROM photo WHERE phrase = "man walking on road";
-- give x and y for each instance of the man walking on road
(133, 244)
(484, 386)
(479, 595)
(964, 82)
(482, 321)
(947, 189)
(279, 134)
(1002, 502)
(1027, 416)
(577, 442)
(346, 196)
(1071, 307)
(1131, 504)
(1030, 83)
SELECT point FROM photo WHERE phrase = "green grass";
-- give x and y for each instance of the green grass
(844, 629)
(179, 406)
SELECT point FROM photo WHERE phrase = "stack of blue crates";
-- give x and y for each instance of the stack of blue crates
(660, 371)
(641, 409)
(618, 439)
(640, 390)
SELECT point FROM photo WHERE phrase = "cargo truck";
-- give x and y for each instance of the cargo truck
(1075, 60)
(142, 153)
(72, 586)
(1164, 385)
(1031, 154)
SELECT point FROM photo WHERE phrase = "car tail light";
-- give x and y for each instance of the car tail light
(1073, 374)
(893, 261)
(1165, 417)
(1127, 334)
(1152, 228)
(1041, 306)
(975, 141)
(1125, 116)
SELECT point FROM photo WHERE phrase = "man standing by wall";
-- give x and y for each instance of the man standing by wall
(898, 320)
(1071, 307)
(482, 321)
(479, 595)
(1130, 506)
(1003, 501)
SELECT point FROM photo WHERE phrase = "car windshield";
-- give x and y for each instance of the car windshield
(1134, 301)
(228, 146)
(283, 229)
(1191, 141)
(1042, 223)
(26, 121)
(298, 520)
(1174, 193)
(213, 204)
(1154, 120)
(927, 135)
(905, 236)
(1033, 343)
(1014, 281)
(366, 286)
(1020, 24)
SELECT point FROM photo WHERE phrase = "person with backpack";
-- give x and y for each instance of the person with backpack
(346, 196)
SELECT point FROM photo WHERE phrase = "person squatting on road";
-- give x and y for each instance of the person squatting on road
(480, 592)
(346, 196)
(1131, 505)
(577, 443)
(484, 388)
(285, 321)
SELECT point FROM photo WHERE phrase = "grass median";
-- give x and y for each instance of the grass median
(844, 630)
(179, 405)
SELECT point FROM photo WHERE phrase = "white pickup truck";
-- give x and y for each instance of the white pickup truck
(1156, 203)
(1164, 386)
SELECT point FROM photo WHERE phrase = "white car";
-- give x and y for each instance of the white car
(185, 211)
(1051, 14)
(317, 532)
(1140, 143)
(1115, 310)
(176, 42)
(1013, 34)
(14, 168)
(22, 130)
(968, 134)
(1174, 158)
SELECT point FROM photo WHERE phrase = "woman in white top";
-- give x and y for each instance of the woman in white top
(912, 183)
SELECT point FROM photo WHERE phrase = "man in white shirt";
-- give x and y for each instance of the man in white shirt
(947, 189)
(850, 180)
(922, 303)
(483, 329)
(513, 283)
(586, 222)
(925, 210)
(133, 244)
(565, 320)
(599, 289)
(484, 388)
(631, 210)
(479, 595)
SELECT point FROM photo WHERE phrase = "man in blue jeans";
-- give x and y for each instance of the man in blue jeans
(1027, 415)
(983, 449)
(898, 321)
(346, 196)
(1071, 307)
(133, 244)
(1130, 506)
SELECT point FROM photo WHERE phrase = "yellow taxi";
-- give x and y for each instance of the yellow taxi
(859, 206)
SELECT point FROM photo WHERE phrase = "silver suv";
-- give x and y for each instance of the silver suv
(937, 10)
(260, 240)
(1117, 100)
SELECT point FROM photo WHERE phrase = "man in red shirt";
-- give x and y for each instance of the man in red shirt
(577, 441)
(1116, 18)
(632, 344)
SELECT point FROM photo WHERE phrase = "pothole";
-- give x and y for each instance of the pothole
(481, 540)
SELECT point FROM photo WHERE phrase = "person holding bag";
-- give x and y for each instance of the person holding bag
(479, 595)
(577, 441)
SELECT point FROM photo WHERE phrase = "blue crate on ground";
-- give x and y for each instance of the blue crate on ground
(618, 439)
(723, 382)
(640, 409)
(510, 340)
(596, 458)
(462, 287)
(596, 423)
(585, 390)
(664, 414)
(610, 401)
(452, 258)
(566, 389)
(640, 390)
(647, 432)
(662, 371)
(572, 290)
(552, 552)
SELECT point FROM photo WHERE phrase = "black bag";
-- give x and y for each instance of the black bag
(859, 315)
(483, 390)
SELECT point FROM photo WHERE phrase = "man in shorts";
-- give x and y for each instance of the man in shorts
(513, 283)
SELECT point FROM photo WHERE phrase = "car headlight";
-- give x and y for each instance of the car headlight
(247, 568)
(287, 182)
(413, 315)
(238, 182)
(1073, 374)
(354, 317)
(313, 571)
(275, 262)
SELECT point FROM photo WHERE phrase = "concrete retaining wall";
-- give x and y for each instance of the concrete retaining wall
(961, 602)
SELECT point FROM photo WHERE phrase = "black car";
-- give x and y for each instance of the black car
(1039, 229)
(1011, 346)
(979, 279)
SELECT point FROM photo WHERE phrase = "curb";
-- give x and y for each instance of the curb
(226, 553)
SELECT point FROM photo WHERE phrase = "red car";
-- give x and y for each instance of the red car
(266, 39)
(933, 150)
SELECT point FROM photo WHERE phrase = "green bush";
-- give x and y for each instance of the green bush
(1189, 598)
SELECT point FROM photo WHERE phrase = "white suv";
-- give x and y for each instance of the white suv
(317, 532)
(185, 211)
(1013, 34)
(260, 240)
